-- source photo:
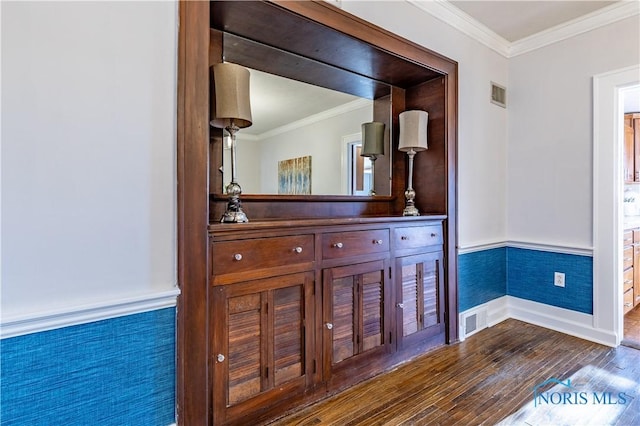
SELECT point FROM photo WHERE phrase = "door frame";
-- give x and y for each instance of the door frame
(608, 315)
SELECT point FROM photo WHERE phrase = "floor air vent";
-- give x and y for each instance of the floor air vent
(474, 321)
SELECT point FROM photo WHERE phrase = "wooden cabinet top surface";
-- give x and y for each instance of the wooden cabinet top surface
(267, 225)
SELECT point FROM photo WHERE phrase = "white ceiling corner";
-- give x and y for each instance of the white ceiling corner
(467, 24)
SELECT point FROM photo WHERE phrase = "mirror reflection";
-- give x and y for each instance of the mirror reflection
(305, 140)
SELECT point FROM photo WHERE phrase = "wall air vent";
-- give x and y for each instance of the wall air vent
(498, 95)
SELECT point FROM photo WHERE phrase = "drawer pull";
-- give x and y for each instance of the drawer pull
(404, 237)
(298, 249)
(628, 259)
(329, 326)
(628, 305)
(400, 305)
(237, 256)
(628, 281)
(379, 242)
(433, 235)
(220, 358)
(337, 245)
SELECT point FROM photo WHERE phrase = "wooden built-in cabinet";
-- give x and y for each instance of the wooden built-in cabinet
(631, 163)
(299, 310)
(316, 292)
(631, 269)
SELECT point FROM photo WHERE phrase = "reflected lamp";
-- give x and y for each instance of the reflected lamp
(372, 146)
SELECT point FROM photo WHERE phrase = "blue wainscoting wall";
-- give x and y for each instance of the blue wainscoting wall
(119, 371)
(527, 274)
(482, 276)
(530, 276)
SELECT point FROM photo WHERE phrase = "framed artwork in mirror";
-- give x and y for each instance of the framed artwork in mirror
(294, 176)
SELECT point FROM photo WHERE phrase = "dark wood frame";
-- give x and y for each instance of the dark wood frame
(195, 53)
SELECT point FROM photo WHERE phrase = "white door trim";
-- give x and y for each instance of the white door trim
(608, 134)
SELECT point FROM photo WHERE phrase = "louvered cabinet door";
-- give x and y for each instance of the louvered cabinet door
(420, 297)
(355, 302)
(260, 344)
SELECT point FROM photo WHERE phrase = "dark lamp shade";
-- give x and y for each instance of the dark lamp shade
(232, 96)
(372, 139)
(413, 131)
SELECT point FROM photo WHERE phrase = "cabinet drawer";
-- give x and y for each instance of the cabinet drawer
(244, 255)
(417, 236)
(627, 257)
(628, 300)
(354, 243)
(627, 238)
(627, 279)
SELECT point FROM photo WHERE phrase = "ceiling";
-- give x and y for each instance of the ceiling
(512, 20)
(517, 19)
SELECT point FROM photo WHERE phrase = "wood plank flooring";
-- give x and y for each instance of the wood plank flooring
(490, 379)
(632, 326)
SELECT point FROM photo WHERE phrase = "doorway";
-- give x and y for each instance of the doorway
(631, 212)
(608, 215)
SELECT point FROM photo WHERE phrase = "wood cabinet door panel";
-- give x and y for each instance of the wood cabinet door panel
(245, 334)
(627, 257)
(629, 153)
(420, 295)
(288, 333)
(355, 314)
(260, 343)
(343, 318)
(372, 310)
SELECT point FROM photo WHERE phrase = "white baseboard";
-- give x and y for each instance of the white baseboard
(496, 311)
(75, 315)
(563, 320)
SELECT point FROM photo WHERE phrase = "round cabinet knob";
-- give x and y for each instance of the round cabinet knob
(220, 358)
(404, 237)
(237, 256)
(338, 245)
(379, 242)
(433, 235)
(329, 326)
(401, 305)
(298, 249)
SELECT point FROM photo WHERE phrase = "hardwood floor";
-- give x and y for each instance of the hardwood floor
(490, 379)
(632, 326)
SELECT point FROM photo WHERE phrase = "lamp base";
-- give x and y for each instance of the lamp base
(234, 213)
(234, 217)
(410, 208)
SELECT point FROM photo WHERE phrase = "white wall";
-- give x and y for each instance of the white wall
(550, 149)
(323, 142)
(88, 153)
(482, 126)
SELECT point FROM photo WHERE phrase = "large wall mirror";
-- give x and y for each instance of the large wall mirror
(312, 89)
(310, 132)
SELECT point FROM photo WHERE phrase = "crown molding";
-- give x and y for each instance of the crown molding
(599, 18)
(324, 115)
(451, 15)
